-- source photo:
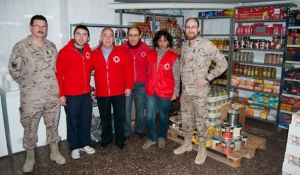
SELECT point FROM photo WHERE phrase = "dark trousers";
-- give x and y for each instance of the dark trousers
(104, 105)
(79, 115)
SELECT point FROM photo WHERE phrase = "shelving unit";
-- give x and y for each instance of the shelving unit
(284, 66)
(260, 59)
(228, 35)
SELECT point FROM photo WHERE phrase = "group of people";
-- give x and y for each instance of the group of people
(122, 74)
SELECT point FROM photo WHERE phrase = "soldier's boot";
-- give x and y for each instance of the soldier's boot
(55, 154)
(186, 146)
(201, 155)
(30, 161)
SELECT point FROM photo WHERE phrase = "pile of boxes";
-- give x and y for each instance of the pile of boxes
(291, 163)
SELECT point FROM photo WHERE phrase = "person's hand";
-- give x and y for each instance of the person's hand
(62, 100)
(173, 97)
(200, 82)
(127, 92)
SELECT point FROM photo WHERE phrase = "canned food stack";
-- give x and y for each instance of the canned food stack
(175, 123)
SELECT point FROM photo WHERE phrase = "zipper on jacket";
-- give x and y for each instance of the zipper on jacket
(84, 87)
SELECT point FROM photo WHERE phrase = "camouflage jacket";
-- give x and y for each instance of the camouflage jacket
(194, 64)
(34, 69)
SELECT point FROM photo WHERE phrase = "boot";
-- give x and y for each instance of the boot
(186, 146)
(55, 154)
(30, 161)
(201, 155)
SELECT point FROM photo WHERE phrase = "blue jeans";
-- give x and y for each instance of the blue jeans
(152, 103)
(138, 94)
(104, 105)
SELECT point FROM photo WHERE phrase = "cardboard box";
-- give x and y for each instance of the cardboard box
(242, 118)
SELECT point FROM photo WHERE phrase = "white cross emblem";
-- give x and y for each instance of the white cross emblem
(167, 66)
(143, 54)
(87, 55)
(116, 59)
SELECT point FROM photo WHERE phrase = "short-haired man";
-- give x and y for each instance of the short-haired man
(114, 81)
(73, 75)
(32, 65)
(196, 56)
(137, 51)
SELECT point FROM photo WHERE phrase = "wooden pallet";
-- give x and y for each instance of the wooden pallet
(233, 159)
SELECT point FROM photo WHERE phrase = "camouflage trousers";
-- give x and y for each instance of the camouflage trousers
(31, 113)
(194, 112)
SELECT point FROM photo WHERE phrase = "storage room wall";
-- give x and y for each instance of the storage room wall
(15, 17)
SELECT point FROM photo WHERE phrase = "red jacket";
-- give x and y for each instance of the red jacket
(160, 78)
(139, 61)
(73, 70)
(115, 75)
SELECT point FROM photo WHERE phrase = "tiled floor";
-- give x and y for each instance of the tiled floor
(155, 160)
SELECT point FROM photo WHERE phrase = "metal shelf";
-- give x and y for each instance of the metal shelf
(241, 99)
(140, 13)
(276, 94)
(263, 35)
(218, 86)
(215, 35)
(286, 79)
(291, 45)
(260, 119)
(290, 95)
(256, 63)
(254, 21)
(292, 62)
(271, 79)
(294, 8)
(100, 25)
(287, 112)
(215, 17)
(293, 27)
(263, 50)
(279, 126)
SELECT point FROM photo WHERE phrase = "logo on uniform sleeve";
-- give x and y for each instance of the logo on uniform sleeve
(167, 66)
(87, 55)
(143, 54)
(116, 59)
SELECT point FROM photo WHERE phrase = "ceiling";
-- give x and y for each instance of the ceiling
(196, 1)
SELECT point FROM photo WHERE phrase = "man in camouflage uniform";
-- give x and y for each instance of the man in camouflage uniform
(197, 54)
(32, 65)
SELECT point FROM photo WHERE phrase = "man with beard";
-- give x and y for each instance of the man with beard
(137, 50)
(114, 82)
(73, 75)
(32, 66)
(196, 56)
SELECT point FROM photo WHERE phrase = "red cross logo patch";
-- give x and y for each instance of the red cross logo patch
(87, 55)
(116, 59)
(167, 66)
(143, 54)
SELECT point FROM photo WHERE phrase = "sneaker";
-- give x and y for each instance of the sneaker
(88, 149)
(161, 142)
(148, 144)
(75, 154)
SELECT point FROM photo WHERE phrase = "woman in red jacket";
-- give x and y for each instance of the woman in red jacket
(162, 86)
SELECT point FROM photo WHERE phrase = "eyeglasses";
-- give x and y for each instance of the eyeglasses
(191, 28)
(38, 26)
(133, 36)
(108, 36)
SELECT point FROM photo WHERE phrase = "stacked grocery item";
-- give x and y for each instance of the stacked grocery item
(255, 71)
(260, 13)
(290, 104)
(248, 43)
(291, 87)
(292, 73)
(225, 12)
(255, 84)
(292, 153)
(284, 121)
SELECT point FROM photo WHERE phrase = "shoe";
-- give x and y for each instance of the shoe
(104, 145)
(161, 142)
(75, 154)
(142, 135)
(122, 147)
(148, 144)
(186, 146)
(202, 154)
(88, 149)
(30, 161)
(55, 155)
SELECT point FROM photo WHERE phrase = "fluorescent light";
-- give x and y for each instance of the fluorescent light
(211, 6)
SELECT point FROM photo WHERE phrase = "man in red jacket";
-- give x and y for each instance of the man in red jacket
(114, 81)
(73, 75)
(137, 50)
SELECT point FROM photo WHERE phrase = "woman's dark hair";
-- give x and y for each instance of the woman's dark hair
(161, 33)
(82, 27)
